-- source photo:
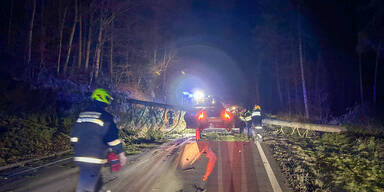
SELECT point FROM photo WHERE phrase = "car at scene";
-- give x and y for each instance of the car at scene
(209, 114)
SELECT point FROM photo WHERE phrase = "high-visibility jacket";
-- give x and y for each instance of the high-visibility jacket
(247, 116)
(93, 133)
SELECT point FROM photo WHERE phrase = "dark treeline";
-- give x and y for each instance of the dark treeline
(123, 44)
(323, 57)
(315, 58)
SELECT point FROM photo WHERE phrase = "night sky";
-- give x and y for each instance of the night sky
(227, 27)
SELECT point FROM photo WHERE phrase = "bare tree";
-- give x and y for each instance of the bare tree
(10, 24)
(378, 55)
(361, 77)
(302, 67)
(62, 18)
(89, 39)
(80, 38)
(71, 39)
(111, 52)
(98, 48)
(278, 82)
(370, 37)
(31, 23)
(42, 35)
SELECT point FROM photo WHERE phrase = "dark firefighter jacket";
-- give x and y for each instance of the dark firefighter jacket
(93, 133)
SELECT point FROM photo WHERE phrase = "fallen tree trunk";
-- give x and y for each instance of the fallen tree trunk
(309, 126)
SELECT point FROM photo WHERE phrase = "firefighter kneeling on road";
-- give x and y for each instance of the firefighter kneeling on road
(246, 116)
(94, 134)
(257, 121)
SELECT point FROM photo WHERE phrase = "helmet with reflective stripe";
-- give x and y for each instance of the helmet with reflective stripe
(256, 107)
(102, 96)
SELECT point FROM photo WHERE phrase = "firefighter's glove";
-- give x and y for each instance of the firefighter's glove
(122, 158)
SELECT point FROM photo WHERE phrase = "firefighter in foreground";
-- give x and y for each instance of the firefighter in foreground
(94, 134)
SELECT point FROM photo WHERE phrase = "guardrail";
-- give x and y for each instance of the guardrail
(308, 126)
(22, 163)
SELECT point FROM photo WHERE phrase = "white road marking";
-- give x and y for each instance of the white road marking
(267, 166)
(244, 187)
(220, 171)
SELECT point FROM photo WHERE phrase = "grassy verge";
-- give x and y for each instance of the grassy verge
(29, 138)
(330, 162)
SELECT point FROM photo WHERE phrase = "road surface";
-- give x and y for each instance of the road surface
(175, 166)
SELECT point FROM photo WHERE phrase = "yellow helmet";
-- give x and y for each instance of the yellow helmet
(256, 107)
(102, 96)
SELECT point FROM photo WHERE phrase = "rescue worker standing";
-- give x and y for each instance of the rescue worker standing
(257, 121)
(93, 135)
(246, 116)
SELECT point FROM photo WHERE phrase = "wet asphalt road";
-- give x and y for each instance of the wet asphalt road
(238, 167)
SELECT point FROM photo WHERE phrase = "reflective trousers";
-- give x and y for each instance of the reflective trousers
(90, 177)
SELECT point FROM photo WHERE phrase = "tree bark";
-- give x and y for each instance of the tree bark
(302, 70)
(317, 90)
(111, 53)
(98, 49)
(71, 40)
(80, 40)
(101, 57)
(10, 24)
(61, 40)
(289, 99)
(376, 69)
(257, 80)
(361, 79)
(278, 83)
(31, 32)
(88, 52)
(42, 36)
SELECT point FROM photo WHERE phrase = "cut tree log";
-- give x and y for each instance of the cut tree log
(310, 126)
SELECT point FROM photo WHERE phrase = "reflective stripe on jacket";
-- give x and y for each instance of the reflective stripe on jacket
(256, 113)
(92, 160)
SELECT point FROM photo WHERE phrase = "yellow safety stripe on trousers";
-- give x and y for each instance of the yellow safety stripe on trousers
(90, 160)
(256, 113)
(90, 120)
(74, 139)
(114, 142)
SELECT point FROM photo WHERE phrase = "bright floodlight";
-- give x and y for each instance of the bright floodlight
(198, 95)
